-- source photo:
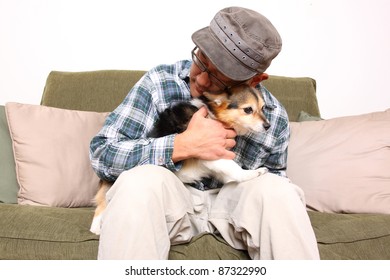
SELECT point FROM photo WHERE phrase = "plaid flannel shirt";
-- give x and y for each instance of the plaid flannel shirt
(122, 143)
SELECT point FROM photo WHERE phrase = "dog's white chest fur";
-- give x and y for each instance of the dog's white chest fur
(223, 170)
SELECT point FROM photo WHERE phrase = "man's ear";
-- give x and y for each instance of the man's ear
(258, 78)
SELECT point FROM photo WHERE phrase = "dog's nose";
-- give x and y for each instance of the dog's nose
(266, 125)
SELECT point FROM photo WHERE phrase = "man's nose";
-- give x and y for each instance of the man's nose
(203, 79)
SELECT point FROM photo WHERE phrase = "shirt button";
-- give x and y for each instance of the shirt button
(160, 160)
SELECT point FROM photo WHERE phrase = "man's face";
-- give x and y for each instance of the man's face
(204, 76)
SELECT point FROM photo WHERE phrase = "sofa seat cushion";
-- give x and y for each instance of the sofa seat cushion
(352, 236)
(207, 247)
(339, 237)
(36, 232)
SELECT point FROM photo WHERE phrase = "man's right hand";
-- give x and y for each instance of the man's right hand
(205, 139)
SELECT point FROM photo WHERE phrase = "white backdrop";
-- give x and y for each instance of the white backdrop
(343, 44)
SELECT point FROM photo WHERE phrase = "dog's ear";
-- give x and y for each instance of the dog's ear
(217, 99)
(218, 102)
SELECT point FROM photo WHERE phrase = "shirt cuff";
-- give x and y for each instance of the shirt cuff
(162, 152)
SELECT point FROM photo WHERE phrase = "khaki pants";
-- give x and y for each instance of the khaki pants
(149, 209)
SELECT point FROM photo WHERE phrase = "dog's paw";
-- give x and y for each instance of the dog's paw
(250, 174)
(95, 226)
(262, 170)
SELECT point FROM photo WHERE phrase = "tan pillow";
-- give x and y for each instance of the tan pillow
(51, 149)
(343, 164)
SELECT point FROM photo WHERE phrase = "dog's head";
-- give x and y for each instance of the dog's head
(241, 108)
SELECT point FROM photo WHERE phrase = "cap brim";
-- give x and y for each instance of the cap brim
(225, 62)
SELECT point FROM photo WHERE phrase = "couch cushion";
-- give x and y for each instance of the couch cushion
(51, 149)
(352, 236)
(306, 117)
(339, 237)
(296, 94)
(343, 164)
(34, 232)
(98, 91)
(103, 91)
(207, 247)
(8, 185)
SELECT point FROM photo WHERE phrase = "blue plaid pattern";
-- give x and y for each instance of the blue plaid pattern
(122, 143)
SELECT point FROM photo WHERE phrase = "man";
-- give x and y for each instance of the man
(149, 209)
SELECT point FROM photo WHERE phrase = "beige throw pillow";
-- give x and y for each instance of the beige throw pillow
(343, 164)
(51, 149)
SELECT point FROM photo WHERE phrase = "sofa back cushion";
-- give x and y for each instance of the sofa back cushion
(8, 184)
(51, 149)
(103, 91)
(343, 164)
(296, 94)
(98, 91)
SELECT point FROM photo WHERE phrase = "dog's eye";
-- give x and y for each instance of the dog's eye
(248, 110)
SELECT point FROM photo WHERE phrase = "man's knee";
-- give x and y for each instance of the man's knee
(143, 179)
(273, 187)
(145, 172)
(146, 175)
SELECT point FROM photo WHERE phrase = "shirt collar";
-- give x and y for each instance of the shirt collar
(184, 72)
(269, 102)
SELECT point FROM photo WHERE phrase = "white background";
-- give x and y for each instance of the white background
(343, 44)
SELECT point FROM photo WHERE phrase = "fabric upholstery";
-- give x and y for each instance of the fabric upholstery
(296, 94)
(8, 185)
(52, 154)
(35, 232)
(196, 249)
(343, 164)
(98, 91)
(305, 117)
(103, 91)
(352, 236)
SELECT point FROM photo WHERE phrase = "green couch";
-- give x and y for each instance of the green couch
(37, 232)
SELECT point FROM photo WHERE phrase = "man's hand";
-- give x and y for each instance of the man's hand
(204, 139)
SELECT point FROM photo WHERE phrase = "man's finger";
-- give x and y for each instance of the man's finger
(202, 111)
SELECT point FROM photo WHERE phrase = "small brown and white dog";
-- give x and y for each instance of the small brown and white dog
(241, 108)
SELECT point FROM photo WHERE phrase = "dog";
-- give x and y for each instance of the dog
(239, 108)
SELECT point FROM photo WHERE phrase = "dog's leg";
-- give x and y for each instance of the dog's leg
(100, 200)
(193, 170)
(229, 171)
(95, 226)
